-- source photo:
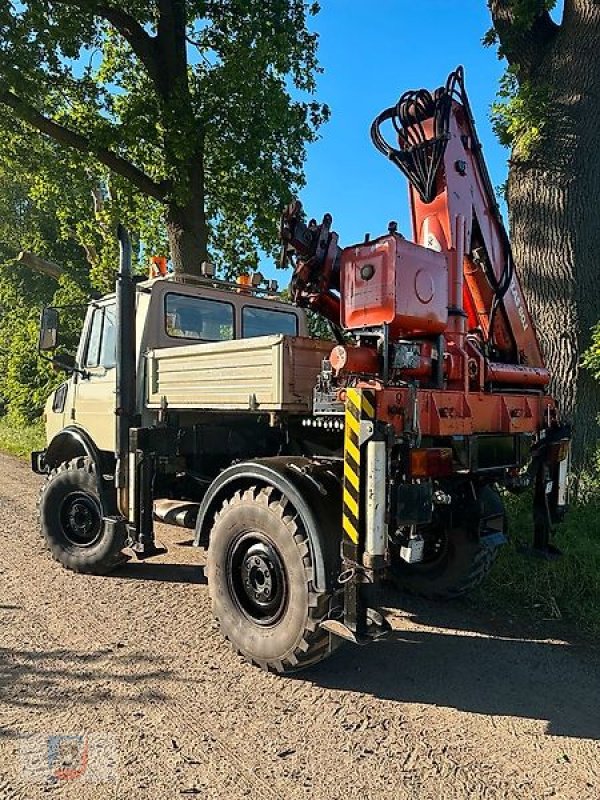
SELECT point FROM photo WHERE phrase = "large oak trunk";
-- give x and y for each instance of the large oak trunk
(555, 248)
(186, 222)
(187, 231)
(553, 198)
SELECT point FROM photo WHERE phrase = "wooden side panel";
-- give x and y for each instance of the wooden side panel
(267, 373)
(302, 363)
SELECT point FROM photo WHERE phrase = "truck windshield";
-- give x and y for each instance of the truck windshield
(267, 321)
(198, 318)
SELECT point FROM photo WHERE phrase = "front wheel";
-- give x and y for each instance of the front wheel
(261, 582)
(71, 520)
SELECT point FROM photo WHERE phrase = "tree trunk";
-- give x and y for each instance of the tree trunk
(187, 227)
(555, 218)
(187, 233)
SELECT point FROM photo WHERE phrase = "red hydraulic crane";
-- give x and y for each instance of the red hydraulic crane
(437, 327)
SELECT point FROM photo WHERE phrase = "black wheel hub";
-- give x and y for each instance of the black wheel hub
(80, 519)
(257, 579)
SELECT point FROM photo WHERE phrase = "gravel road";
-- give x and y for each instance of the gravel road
(452, 706)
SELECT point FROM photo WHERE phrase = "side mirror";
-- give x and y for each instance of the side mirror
(48, 330)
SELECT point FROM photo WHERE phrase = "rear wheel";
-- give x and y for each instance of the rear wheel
(71, 520)
(261, 582)
(457, 558)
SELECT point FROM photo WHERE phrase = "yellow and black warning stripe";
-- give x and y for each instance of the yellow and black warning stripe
(360, 406)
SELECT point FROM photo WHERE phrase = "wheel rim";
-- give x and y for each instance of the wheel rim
(436, 546)
(80, 519)
(257, 578)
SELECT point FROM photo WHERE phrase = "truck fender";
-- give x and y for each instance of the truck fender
(70, 443)
(314, 488)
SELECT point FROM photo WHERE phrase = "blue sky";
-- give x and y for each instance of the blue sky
(372, 52)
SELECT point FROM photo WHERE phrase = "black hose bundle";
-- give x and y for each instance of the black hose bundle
(501, 286)
(420, 154)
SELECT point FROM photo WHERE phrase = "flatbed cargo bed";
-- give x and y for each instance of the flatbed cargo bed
(265, 373)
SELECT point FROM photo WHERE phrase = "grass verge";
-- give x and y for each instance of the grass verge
(566, 588)
(20, 440)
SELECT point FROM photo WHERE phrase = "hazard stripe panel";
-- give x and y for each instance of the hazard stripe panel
(357, 408)
(350, 528)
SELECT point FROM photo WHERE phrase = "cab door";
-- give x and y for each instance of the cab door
(95, 394)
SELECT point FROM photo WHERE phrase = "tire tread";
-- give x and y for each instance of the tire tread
(315, 643)
(69, 560)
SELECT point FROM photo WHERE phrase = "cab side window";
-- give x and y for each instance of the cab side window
(198, 318)
(101, 346)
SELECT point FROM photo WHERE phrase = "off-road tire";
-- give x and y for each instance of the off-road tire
(294, 640)
(465, 564)
(77, 478)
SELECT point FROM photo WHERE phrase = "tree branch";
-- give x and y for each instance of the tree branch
(171, 35)
(142, 44)
(40, 264)
(522, 43)
(140, 41)
(78, 142)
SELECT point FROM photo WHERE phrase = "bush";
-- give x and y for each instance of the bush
(591, 358)
(26, 378)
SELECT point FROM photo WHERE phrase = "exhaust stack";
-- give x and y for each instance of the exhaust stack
(125, 404)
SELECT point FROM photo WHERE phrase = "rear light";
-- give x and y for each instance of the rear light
(430, 462)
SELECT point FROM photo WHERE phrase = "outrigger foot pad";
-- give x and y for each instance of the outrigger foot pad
(144, 551)
(377, 628)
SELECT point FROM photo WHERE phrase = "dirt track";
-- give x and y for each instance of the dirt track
(451, 707)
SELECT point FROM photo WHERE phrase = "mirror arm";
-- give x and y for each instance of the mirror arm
(66, 367)
(83, 372)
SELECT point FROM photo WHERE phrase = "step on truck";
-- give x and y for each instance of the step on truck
(314, 471)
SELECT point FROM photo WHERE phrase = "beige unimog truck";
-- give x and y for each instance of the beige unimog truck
(310, 471)
(189, 401)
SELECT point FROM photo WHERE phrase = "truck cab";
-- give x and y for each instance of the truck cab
(170, 313)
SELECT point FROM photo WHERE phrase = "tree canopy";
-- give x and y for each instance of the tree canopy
(200, 108)
(25, 379)
(522, 31)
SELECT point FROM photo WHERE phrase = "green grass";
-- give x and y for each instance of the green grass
(20, 440)
(567, 588)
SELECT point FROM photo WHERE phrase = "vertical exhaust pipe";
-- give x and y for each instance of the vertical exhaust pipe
(125, 406)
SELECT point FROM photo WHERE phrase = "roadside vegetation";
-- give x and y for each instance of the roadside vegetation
(568, 588)
(20, 440)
